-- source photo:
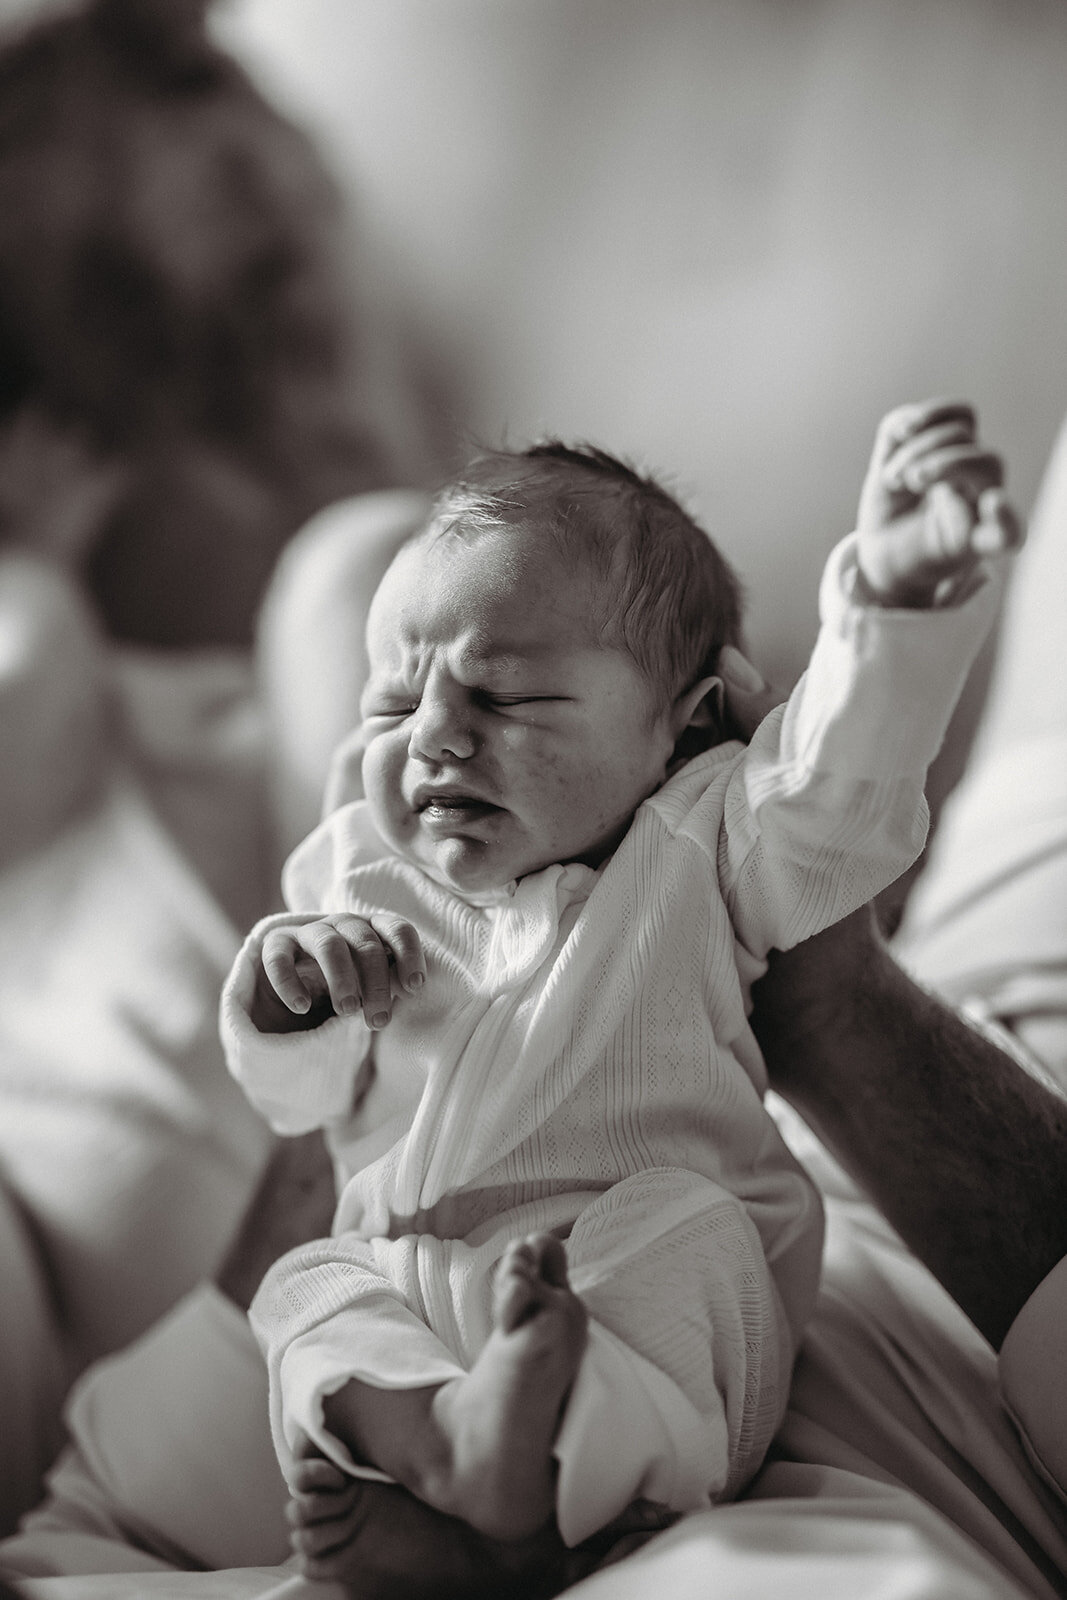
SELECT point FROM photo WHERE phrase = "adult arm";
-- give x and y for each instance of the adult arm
(963, 1150)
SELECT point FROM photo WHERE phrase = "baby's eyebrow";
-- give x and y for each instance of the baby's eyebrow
(496, 663)
(496, 658)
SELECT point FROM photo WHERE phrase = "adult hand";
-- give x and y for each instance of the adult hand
(56, 488)
(962, 1150)
(344, 781)
(294, 1203)
(748, 697)
(381, 1539)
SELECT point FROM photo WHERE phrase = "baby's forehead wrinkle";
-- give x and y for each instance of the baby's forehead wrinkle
(476, 655)
(473, 652)
(393, 653)
(492, 607)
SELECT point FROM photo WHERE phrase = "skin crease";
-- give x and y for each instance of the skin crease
(489, 684)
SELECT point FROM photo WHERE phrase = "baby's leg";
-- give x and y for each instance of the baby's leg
(479, 1447)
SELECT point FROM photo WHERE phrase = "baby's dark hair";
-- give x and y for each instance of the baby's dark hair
(672, 599)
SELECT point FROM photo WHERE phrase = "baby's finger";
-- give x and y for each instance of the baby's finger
(999, 527)
(370, 958)
(949, 526)
(969, 467)
(329, 944)
(406, 947)
(279, 955)
(899, 466)
(905, 421)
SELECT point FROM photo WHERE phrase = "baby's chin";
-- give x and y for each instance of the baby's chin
(470, 867)
(475, 868)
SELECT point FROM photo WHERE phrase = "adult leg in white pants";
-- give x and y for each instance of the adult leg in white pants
(987, 921)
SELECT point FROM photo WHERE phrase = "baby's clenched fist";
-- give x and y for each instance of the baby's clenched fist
(933, 507)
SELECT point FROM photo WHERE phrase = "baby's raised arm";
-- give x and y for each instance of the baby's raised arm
(332, 967)
(932, 506)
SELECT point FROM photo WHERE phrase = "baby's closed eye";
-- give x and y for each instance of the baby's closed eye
(391, 711)
(504, 702)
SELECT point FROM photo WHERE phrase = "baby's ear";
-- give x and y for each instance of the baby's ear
(698, 718)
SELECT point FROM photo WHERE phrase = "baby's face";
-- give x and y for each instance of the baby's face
(500, 736)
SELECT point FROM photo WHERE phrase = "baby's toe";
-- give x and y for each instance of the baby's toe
(317, 1475)
(516, 1285)
(551, 1259)
(315, 1540)
(305, 1509)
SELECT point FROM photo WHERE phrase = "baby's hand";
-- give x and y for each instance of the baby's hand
(932, 506)
(335, 965)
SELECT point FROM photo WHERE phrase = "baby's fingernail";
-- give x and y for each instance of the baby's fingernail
(349, 1005)
(299, 1003)
(416, 980)
(739, 671)
(379, 1019)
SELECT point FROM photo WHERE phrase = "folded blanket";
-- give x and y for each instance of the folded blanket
(120, 1130)
(131, 787)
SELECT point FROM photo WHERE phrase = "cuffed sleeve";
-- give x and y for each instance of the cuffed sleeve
(826, 806)
(882, 682)
(354, 1343)
(629, 1433)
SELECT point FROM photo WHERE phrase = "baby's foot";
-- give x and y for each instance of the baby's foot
(387, 1545)
(324, 1513)
(501, 1418)
(347, 1529)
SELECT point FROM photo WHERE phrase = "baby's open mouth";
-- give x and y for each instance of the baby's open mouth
(453, 808)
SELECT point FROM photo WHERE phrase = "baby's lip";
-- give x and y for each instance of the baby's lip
(449, 798)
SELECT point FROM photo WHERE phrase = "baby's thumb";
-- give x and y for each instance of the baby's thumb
(1000, 528)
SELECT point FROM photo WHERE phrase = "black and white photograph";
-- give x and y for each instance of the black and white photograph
(533, 799)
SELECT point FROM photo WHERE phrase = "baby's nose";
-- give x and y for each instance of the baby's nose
(441, 727)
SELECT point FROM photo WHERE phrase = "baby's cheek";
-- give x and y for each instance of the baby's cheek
(563, 784)
(579, 792)
(526, 756)
(383, 770)
(515, 736)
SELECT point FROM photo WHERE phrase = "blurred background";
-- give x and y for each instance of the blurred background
(722, 235)
(324, 250)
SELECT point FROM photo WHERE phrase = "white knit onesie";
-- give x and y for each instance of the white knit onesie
(579, 1060)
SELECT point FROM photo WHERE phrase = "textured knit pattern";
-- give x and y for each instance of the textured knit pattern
(579, 1059)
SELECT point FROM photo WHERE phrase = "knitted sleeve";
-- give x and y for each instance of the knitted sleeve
(826, 806)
